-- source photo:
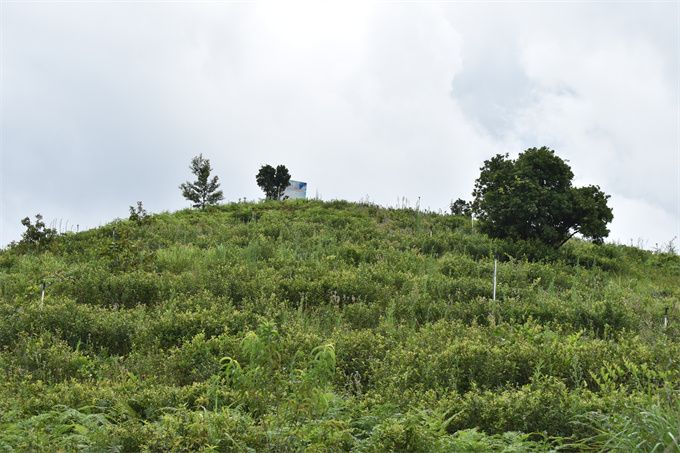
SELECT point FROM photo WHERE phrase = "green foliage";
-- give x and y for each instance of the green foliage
(63, 428)
(282, 396)
(36, 235)
(139, 216)
(461, 207)
(125, 351)
(653, 426)
(532, 198)
(46, 357)
(124, 253)
(273, 181)
(204, 191)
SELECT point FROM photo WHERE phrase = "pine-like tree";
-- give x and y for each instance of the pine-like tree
(204, 191)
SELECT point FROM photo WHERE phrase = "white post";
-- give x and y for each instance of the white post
(495, 266)
(42, 299)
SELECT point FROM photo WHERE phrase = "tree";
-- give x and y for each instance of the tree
(532, 198)
(273, 181)
(37, 234)
(202, 192)
(461, 207)
(139, 216)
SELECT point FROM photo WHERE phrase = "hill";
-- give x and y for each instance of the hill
(336, 326)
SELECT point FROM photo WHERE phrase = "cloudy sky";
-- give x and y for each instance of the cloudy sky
(104, 104)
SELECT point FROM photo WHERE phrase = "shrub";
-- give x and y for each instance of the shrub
(48, 358)
(279, 397)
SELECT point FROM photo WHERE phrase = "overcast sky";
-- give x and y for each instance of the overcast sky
(105, 103)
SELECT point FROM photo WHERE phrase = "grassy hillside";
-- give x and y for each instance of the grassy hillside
(312, 326)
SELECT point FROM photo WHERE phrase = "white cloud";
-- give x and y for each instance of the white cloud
(105, 104)
(639, 223)
(610, 107)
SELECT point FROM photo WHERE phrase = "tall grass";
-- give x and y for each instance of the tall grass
(650, 428)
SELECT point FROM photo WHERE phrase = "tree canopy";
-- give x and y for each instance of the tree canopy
(273, 181)
(36, 234)
(460, 207)
(203, 192)
(532, 198)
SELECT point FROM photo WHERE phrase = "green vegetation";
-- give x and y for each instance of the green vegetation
(36, 235)
(204, 191)
(461, 207)
(532, 199)
(322, 327)
(273, 181)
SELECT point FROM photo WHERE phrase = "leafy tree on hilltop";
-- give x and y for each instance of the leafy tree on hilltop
(532, 198)
(273, 181)
(203, 192)
(139, 215)
(461, 207)
(37, 234)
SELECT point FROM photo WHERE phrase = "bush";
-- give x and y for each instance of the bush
(48, 358)
(544, 406)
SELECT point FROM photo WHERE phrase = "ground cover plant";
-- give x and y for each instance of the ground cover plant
(304, 325)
